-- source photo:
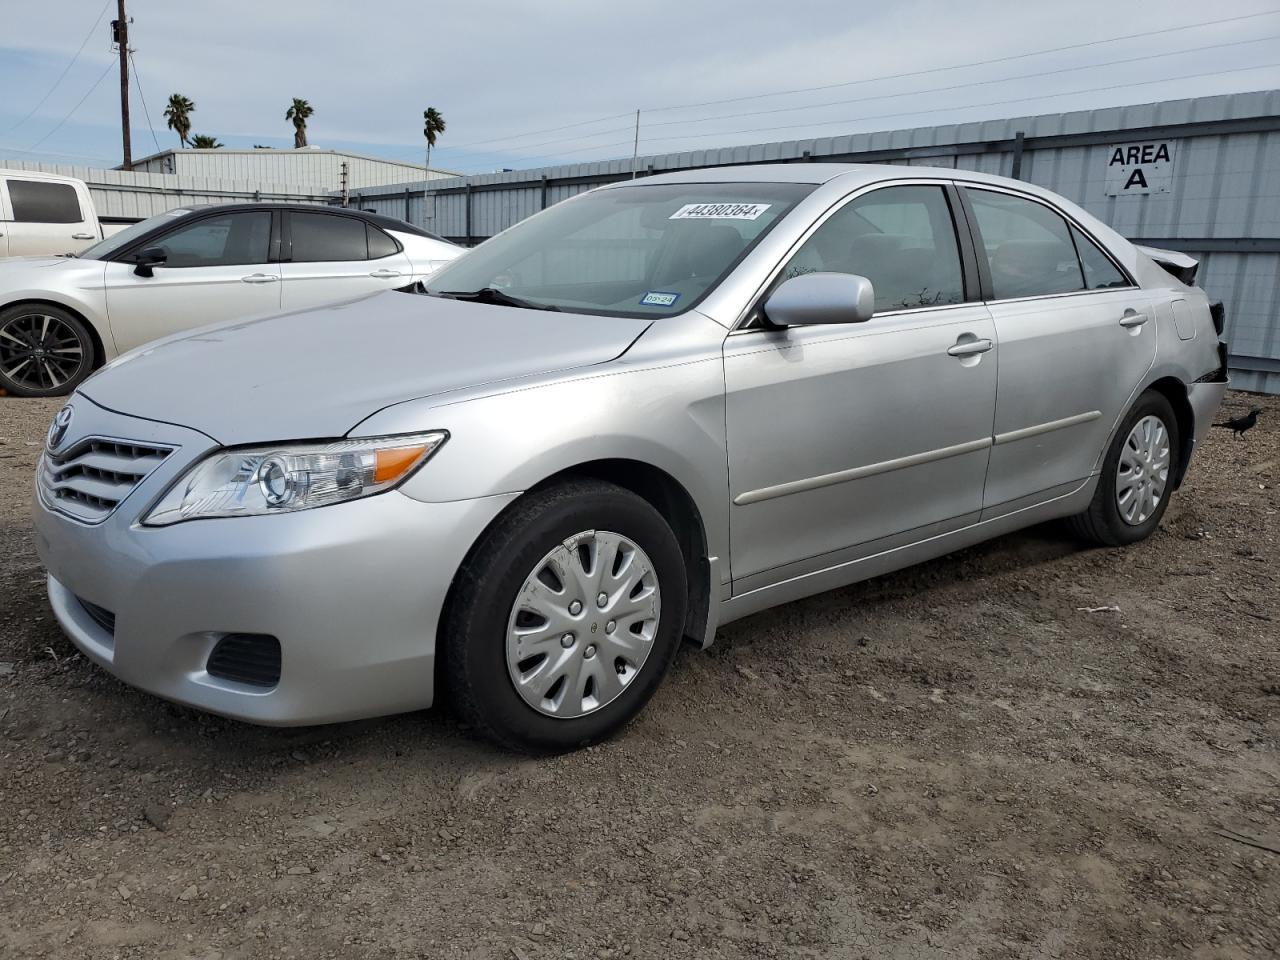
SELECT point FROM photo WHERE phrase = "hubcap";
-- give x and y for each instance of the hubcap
(1143, 471)
(39, 352)
(566, 655)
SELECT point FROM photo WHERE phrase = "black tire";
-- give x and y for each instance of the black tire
(32, 374)
(1102, 523)
(474, 627)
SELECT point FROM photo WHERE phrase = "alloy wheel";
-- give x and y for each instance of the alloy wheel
(583, 624)
(1143, 471)
(39, 351)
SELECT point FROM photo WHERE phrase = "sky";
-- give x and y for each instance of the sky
(524, 84)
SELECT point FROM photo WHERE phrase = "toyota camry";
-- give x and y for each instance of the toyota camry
(645, 412)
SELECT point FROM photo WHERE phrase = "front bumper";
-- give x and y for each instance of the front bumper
(353, 592)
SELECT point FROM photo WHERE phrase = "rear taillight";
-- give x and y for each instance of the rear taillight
(1219, 314)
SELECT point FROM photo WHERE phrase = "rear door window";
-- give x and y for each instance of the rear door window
(39, 201)
(319, 237)
(1028, 246)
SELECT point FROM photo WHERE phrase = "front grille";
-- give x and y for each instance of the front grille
(99, 615)
(90, 478)
(252, 658)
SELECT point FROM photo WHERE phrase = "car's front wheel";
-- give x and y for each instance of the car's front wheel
(45, 351)
(564, 618)
(1137, 472)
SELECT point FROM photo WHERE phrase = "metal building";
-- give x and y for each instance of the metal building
(1207, 183)
(310, 167)
(125, 196)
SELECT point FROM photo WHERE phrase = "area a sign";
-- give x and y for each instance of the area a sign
(1138, 168)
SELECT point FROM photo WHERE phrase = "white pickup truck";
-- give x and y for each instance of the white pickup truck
(43, 214)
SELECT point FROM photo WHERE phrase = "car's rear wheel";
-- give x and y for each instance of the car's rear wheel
(1136, 482)
(564, 618)
(45, 351)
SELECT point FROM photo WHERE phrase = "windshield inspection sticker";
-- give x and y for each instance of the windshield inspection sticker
(720, 211)
(658, 298)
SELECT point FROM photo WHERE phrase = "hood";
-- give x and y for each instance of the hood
(317, 373)
(10, 264)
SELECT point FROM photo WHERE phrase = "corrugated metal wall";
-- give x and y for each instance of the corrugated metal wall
(1223, 204)
(312, 169)
(129, 195)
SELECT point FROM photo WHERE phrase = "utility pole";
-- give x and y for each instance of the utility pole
(635, 149)
(120, 36)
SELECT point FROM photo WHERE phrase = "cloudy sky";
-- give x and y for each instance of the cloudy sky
(525, 84)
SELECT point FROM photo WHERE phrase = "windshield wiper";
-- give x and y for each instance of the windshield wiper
(494, 295)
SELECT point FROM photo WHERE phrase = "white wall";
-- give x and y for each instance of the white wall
(316, 170)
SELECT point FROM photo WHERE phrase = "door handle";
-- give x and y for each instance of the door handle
(259, 278)
(386, 274)
(969, 348)
(82, 236)
(1132, 318)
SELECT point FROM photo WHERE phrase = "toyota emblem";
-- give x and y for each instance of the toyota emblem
(58, 429)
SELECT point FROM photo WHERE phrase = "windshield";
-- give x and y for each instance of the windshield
(118, 241)
(635, 251)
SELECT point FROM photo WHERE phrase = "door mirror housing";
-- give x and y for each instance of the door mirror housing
(147, 258)
(814, 298)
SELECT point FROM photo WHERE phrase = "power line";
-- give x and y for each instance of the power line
(531, 133)
(975, 63)
(891, 96)
(847, 83)
(65, 70)
(53, 153)
(972, 83)
(96, 83)
(969, 106)
(137, 82)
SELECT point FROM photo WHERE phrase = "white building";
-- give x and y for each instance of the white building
(310, 169)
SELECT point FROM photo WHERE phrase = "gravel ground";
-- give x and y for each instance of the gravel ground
(979, 757)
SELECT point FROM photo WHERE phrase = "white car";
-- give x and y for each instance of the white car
(62, 317)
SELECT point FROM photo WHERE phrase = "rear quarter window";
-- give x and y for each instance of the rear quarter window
(380, 244)
(1099, 272)
(38, 201)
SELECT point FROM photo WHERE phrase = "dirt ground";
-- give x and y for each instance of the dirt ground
(979, 757)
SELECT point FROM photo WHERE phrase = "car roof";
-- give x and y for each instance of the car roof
(850, 176)
(815, 173)
(377, 219)
(37, 175)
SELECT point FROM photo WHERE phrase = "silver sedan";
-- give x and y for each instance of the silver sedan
(645, 412)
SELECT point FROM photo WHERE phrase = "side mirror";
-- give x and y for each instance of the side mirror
(147, 258)
(821, 298)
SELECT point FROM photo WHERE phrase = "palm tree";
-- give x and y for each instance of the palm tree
(298, 113)
(178, 114)
(433, 126)
(202, 141)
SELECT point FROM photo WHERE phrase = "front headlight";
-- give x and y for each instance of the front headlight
(281, 479)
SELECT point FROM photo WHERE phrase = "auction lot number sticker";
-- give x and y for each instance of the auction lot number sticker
(720, 211)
